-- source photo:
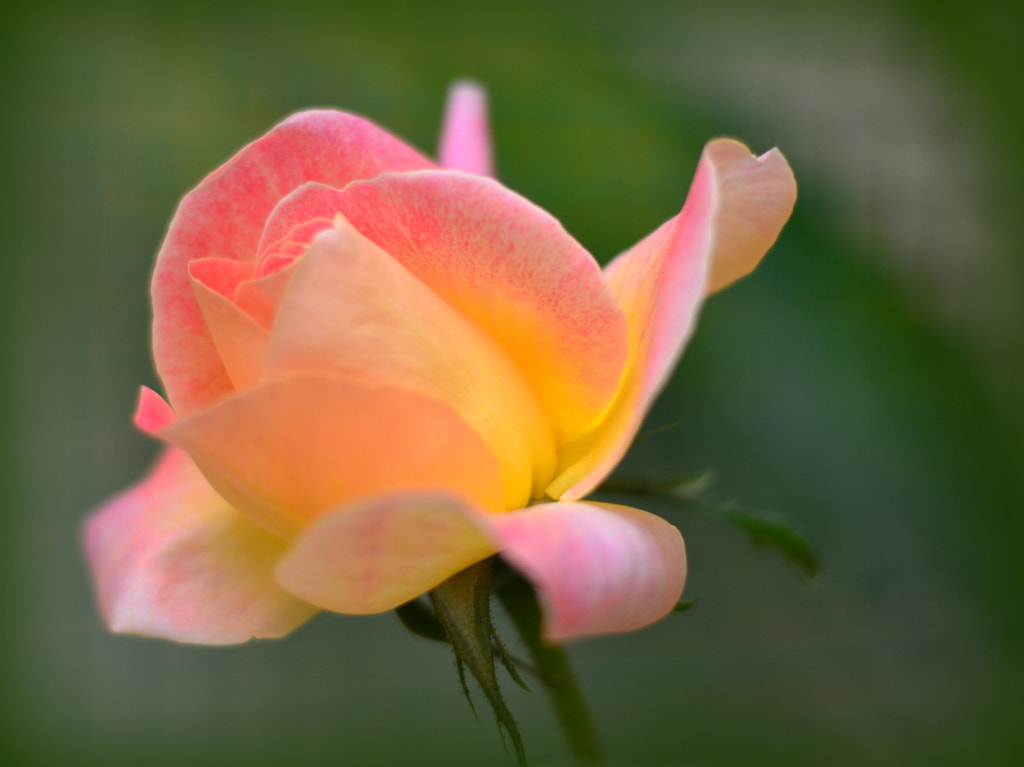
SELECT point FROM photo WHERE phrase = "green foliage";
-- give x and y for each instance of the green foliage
(771, 531)
(461, 617)
(763, 529)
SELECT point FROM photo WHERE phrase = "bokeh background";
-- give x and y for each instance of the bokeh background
(866, 382)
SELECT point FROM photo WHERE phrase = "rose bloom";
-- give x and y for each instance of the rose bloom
(380, 370)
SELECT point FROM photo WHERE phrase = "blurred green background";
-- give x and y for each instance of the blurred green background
(866, 382)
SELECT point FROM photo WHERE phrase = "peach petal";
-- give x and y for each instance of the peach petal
(465, 134)
(292, 448)
(353, 309)
(224, 216)
(373, 555)
(171, 559)
(240, 340)
(513, 269)
(735, 209)
(598, 568)
(260, 298)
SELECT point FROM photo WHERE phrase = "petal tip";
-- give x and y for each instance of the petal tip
(465, 134)
(152, 412)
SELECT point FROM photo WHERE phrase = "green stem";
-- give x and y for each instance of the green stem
(552, 663)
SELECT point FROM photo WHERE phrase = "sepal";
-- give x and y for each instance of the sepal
(463, 606)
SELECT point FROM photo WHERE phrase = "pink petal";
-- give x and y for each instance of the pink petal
(221, 275)
(736, 208)
(224, 216)
(465, 135)
(171, 559)
(598, 568)
(152, 412)
(289, 231)
(512, 268)
(373, 555)
(352, 309)
(296, 220)
(289, 449)
(287, 235)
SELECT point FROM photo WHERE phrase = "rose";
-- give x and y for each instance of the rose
(376, 367)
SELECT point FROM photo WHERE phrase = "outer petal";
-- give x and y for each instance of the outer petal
(373, 555)
(597, 567)
(223, 217)
(465, 134)
(171, 559)
(512, 268)
(290, 449)
(736, 208)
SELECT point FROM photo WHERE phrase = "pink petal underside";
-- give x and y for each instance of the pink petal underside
(224, 216)
(736, 208)
(514, 270)
(373, 555)
(598, 568)
(352, 309)
(289, 449)
(465, 133)
(171, 559)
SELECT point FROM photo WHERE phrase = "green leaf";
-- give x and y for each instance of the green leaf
(684, 605)
(763, 529)
(773, 532)
(686, 488)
